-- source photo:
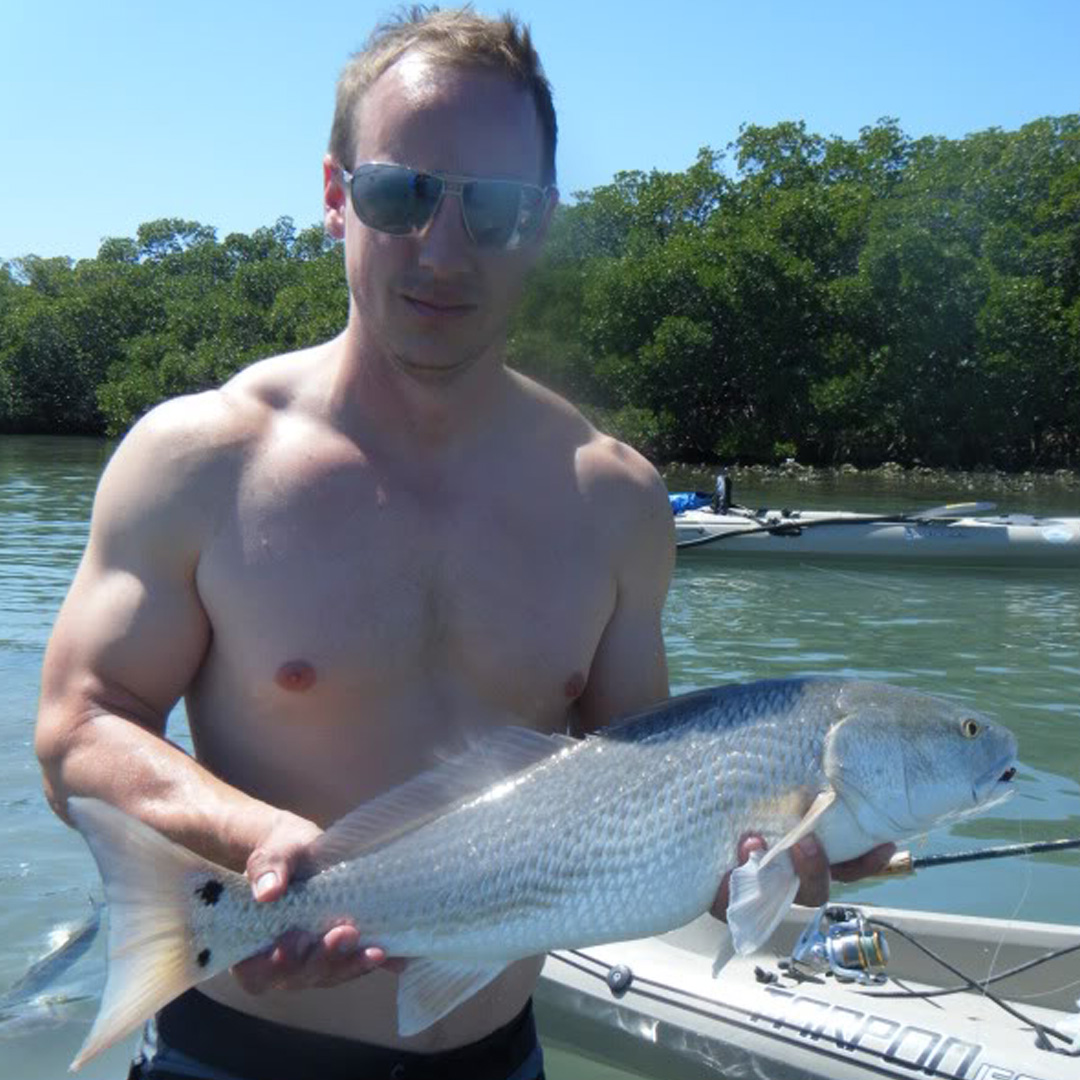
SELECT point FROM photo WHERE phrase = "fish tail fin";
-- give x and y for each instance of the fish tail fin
(151, 887)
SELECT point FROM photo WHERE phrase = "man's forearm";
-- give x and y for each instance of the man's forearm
(115, 759)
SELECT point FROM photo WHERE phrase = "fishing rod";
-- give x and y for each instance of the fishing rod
(904, 863)
(794, 526)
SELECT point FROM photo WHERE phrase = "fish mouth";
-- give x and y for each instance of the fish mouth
(996, 784)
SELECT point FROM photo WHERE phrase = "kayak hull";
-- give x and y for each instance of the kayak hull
(1014, 539)
(676, 1020)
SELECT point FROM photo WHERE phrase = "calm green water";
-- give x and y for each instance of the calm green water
(1007, 642)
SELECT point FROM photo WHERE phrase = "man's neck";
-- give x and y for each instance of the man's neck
(435, 412)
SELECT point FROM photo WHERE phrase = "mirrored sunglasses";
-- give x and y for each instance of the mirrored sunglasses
(498, 214)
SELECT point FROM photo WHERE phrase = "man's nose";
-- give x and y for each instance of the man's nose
(445, 242)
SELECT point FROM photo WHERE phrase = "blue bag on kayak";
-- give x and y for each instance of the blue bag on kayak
(688, 500)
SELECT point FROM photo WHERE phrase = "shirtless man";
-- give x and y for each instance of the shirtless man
(352, 558)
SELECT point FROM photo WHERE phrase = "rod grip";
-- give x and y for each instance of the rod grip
(900, 865)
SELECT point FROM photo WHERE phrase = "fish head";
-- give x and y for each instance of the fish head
(905, 762)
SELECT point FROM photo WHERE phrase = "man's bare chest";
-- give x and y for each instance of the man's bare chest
(370, 584)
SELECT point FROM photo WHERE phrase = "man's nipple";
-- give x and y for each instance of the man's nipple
(574, 687)
(295, 675)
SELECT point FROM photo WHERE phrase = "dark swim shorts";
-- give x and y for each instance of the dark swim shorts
(195, 1038)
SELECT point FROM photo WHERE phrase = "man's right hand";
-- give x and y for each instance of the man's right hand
(299, 960)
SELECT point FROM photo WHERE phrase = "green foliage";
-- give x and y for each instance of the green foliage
(90, 347)
(881, 298)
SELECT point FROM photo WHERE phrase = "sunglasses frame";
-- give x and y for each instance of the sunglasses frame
(452, 185)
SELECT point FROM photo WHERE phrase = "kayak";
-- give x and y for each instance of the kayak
(653, 1006)
(943, 534)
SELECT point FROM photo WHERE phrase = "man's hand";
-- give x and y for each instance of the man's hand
(815, 874)
(298, 960)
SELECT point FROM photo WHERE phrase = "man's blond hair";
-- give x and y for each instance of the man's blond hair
(458, 38)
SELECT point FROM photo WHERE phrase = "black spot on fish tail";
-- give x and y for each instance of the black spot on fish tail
(203, 958)
(210, 892)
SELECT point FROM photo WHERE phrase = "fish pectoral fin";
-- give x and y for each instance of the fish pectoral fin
(429, 989)
(807, 824)
(760, 895)
(725, 949)
(763, 888)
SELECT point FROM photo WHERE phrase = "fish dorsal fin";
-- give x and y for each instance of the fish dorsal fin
(490, 760)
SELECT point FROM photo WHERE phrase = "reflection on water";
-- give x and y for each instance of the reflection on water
(1007, 643)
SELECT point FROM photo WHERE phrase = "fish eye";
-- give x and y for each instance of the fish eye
(970, 728)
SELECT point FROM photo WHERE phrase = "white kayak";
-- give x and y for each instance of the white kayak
(653, 1007)
(930, 536)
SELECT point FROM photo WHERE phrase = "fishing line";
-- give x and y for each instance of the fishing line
(1016, 910)
(1048, 993)
(1028, 965)
(862, 580)
(1043, 1033)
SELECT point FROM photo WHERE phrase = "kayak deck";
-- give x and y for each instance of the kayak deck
(1005, 539)
(675, 1020)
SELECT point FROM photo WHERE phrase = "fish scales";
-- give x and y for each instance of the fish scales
(622, 835)
(658, 831)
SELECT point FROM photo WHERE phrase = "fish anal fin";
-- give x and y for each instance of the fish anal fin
(489, 761)
(429, 989)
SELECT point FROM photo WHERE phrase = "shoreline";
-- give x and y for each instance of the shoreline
(890, 474)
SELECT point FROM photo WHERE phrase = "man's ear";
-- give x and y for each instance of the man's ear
(335, 199)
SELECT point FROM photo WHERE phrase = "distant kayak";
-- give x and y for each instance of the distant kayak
(956, 534)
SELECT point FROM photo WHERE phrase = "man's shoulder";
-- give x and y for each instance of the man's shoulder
(185, 457)
(613, 477)
(202, 428)
(625, 486)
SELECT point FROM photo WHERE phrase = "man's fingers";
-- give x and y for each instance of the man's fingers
(278, 965)
(298, 961)
(748, 844)
(268, 874)
(812, 867)
(865, 865)
(342, 940)
(281, 856)
(336, 958)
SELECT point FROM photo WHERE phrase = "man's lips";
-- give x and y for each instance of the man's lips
(438, 307)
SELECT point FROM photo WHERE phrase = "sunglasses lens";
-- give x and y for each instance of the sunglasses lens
(393, 199)
(492, 211)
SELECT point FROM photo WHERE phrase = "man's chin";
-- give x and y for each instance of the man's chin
(435, 369)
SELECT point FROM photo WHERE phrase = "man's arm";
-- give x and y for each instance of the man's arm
(629, 670)
(130, 637)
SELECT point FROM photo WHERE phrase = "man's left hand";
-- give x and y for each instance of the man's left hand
(815, 873)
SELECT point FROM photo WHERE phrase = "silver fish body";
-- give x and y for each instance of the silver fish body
(537, 842)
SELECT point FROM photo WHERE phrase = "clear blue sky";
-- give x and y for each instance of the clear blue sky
(116, 112)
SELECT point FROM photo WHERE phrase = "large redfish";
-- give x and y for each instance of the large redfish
(532, 842)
